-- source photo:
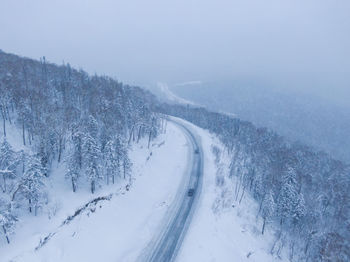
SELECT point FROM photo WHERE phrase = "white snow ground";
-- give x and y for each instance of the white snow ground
(123, 226)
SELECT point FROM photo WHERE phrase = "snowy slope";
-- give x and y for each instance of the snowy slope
(217, 232)
(123, 226)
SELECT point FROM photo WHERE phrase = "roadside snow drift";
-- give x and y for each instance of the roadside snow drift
(116, 229)
(223, 234)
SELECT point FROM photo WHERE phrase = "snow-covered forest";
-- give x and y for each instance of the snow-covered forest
(66, 117)
(156, 131)
(310, 119)
(302, 194)
(88, 124)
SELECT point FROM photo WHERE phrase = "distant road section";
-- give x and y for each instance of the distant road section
(167, 244)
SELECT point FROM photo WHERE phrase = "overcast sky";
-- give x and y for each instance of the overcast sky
(299, 43)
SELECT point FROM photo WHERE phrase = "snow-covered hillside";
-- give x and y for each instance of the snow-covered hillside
(69, 136)
(119, 227)
(112, 230)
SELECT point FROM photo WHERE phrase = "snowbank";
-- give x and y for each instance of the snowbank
(114, 230)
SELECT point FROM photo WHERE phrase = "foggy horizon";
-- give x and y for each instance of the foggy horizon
(292, 45)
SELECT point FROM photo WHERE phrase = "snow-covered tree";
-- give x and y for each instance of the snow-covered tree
(31, 185)
(288, 196)
(8, 163)
(267, 209)
(91, 154)
(111, 160)
(7, 223)
(92, 126)
(73, 172)
(299, 209)
(74, 159)
(65, 113)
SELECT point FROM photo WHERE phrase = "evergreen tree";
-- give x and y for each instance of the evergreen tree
(32, 183)
(92, 158)
(112, 163)
(298, 210)
(8, 164)
(287, 197)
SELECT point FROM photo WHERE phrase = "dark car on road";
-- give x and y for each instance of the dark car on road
(196, 151)
(190, 192)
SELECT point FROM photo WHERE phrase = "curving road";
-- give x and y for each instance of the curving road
(168, 243)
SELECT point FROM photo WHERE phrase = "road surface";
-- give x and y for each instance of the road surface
(168, 242)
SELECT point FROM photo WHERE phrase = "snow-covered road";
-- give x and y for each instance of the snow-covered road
(167, 243)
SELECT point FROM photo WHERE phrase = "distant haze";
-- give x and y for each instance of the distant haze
(298, 117)
(298, 44)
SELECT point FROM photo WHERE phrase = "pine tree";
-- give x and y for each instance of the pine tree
(32, 183)
(299, 209)
(288, 196)
(91, 157)
(8, 163)
(111, 159)
(73, 172)
(75, 159)
(92, 126)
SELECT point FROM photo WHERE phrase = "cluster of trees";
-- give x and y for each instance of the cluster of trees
(88, 122)
(303, 194)
(22, 184)
(68, 118)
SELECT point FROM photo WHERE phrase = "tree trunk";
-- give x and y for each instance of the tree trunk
(4, 126)
(5, 233)
(260, 205)
(131, 132)
(139, 134)
(59, 149)
(23, 133)
(4, 191)
(74, 187)
(240, 200)
(3, 121)
(263, 227)
(149, 138)
(93, 186)
(8, 114)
